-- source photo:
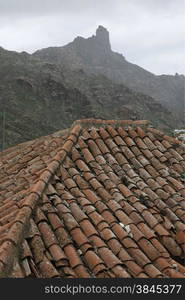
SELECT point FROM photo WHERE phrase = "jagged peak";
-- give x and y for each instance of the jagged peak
(79, 38)
(102, 36)
(101, 30)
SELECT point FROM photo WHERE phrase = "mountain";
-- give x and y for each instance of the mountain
(47, 91)
(94, 56)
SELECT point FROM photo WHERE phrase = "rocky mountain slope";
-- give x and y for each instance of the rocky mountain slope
(94, 55)
(47, 91)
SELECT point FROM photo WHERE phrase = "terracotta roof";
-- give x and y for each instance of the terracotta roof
(102, 199)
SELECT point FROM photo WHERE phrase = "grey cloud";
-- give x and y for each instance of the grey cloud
(40, 7)
(140, 29)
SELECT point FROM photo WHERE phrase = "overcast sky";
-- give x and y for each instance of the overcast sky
(150, 33)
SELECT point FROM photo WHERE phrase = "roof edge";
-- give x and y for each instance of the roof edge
(20, 225)
(170, 139)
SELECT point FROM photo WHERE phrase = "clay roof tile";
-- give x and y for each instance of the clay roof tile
(92, 260)
(58, 254)
(97, 241)
(108, 257)
(47, 269)
(152, 271)
(112, 131)
(79, 237)
(63, 237)
(54, 221)
(47, 234)
(66, 210)
(81, 272)
(72, 255)
(88, 228)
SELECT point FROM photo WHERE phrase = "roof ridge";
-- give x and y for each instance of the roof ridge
(84, 123)
(101, 122)
(20, 224)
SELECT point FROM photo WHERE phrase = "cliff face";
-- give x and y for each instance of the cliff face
(94, 55)
(47, 91)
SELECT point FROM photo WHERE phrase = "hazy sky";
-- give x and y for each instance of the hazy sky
(150, 33)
